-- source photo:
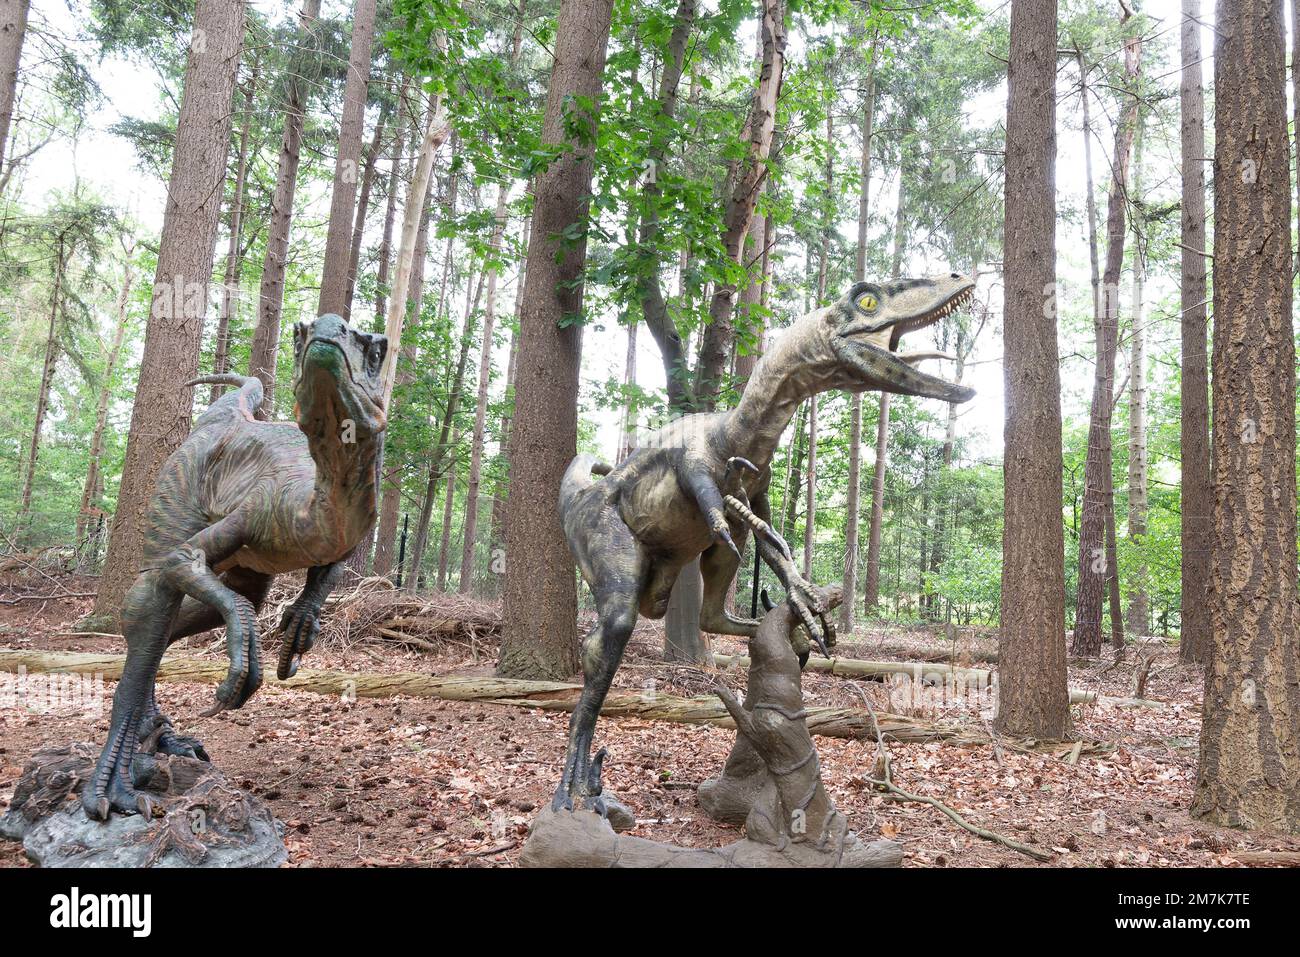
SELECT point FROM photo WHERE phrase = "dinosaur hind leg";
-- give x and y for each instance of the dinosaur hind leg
(147, 614)
(156, 731)
(616, 570)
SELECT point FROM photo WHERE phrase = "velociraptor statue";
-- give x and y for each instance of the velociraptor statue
(632, 528)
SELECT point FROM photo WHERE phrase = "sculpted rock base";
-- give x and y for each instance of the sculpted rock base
(771, 784)
(205, 821)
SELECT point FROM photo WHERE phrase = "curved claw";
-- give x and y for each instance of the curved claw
(298, 629)
(737, 461)
(99, 803)
(722, 536)
(594, 786)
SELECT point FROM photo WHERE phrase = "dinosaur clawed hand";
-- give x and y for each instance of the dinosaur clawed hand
(299, 627)
(244, 676)
(812, 605)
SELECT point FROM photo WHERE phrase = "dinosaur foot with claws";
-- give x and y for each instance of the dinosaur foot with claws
(583, 789)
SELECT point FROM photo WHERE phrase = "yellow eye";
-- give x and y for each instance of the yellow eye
(867, 303)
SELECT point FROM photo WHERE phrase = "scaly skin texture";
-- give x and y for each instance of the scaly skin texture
(634, 527)
(239, 502)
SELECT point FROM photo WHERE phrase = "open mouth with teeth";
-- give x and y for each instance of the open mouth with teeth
(868, 343)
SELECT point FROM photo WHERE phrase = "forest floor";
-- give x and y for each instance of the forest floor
(420, 782)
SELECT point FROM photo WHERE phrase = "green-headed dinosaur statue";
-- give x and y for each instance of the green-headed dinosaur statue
(238, 503)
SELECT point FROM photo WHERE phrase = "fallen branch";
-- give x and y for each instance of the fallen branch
(886, 783)
(1274, 858)
(927, 673)
(71, 594)
(542, 695)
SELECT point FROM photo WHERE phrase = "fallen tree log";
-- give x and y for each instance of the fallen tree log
(543, 695)
(926, 672)
(860, 668)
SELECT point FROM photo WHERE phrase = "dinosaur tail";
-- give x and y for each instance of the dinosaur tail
(247, 397)
(578, 476)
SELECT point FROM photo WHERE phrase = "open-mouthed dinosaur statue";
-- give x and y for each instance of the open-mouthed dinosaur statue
(634, 527)
(239, 502)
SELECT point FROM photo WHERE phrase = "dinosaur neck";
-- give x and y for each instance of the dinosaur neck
(346, 482)
(796, 367)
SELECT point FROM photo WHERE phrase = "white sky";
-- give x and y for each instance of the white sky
(108, 163)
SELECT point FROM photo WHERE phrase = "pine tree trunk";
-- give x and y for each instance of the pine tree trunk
(335, 282)
(480, 407)
(1139, 610)
(853, 505)
(496, 521)
(1195, 490)
(234, 258)
(386, 553)
(385, 252)
(540, 598)
(871, 599)
(1095, 563)
(448, 509)
(363, 210)
(440, 454)
(13, 31)
(414, 226)
(1249, 774)
(1033, 700)
(627, 427)
(745, 185)
(90, 492)
(794, 480)
(160, 417)
(265, 350)
(810, 487)
(48, 367)
(650, 291)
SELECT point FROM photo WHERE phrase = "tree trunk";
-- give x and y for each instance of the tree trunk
(446, 430)
(650, 291)
(480, 407)
(265, 350)
(384, 254)
(496, 521)
(628, 425)
(414, 225)
(363, 210)
(1095, 564)
(48, 367)
(540, 600)
(1033, 696)
(1139, 611)
(13, 30)
(390, 505)
(871, 600)
(745, 185)
(849, 606)
(1195, 490)
(448, 509)
(1249, 774)
(234, 257)
(160, 417)
(794, 480)
(343, 201)
(810, 487)
(90, 492)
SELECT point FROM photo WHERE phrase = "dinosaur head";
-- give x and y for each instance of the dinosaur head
(865, 327)
(336, 380)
